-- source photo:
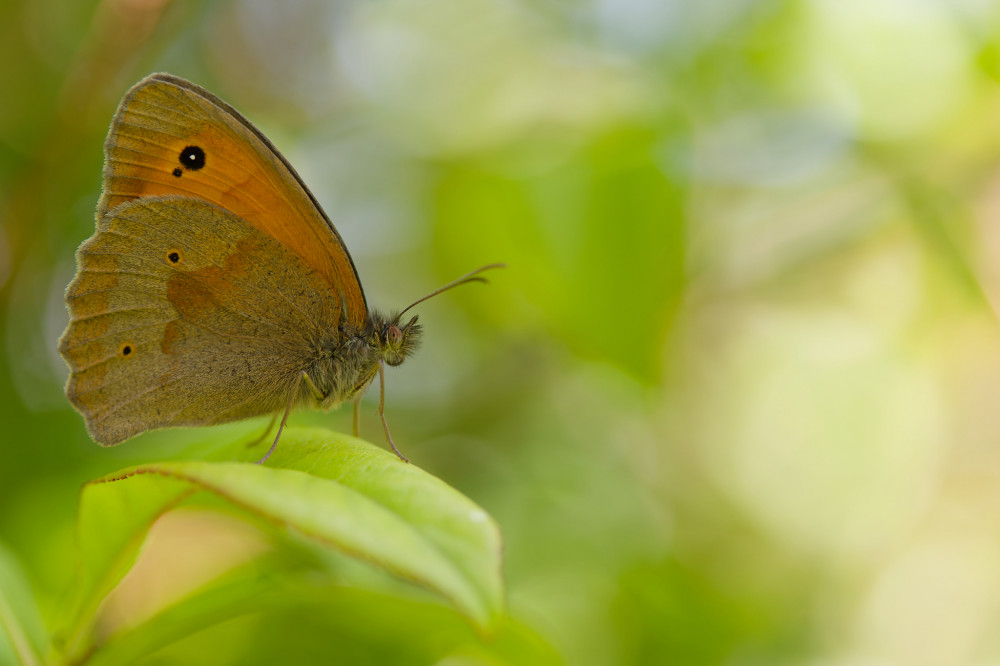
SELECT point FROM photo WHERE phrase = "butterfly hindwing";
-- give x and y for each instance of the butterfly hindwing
(184, 314)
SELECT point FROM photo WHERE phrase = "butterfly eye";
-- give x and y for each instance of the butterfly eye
(394, 335)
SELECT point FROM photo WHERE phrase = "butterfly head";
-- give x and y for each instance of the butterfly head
(394, 340)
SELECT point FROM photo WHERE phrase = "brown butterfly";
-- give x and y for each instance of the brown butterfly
(215, 288)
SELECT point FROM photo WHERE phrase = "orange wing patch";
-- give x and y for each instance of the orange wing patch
(170, 137)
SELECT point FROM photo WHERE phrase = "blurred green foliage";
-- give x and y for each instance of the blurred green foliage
(733, 401)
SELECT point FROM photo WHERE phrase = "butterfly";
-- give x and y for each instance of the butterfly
(215, 288)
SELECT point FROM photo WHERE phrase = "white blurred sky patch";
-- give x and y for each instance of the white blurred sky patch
(896, 68)
(458, 77)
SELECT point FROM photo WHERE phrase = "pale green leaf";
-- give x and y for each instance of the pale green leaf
(337, 491)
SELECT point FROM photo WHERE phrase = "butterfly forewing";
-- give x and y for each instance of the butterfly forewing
(171, 137)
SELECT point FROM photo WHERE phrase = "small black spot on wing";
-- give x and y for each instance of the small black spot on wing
(126, 349)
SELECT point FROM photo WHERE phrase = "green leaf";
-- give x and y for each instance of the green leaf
(337, 491)
(260, 617)
(22, 632)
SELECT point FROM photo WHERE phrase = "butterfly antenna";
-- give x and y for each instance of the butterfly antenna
(474, 276)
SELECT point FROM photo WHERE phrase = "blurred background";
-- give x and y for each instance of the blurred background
(734, 400)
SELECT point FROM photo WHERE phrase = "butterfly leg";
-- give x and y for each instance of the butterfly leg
(284, 419)
(259, 438)
(381, 410)
(317, 394)
(357, 414)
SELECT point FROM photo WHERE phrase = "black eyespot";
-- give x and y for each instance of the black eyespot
(126, 350)
(174, 257)
(193, 158)
(177, 172)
